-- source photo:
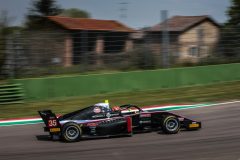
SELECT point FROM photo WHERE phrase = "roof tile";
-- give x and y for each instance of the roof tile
(180, 23)
(89, 24)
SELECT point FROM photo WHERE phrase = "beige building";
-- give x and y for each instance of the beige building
(190, 37)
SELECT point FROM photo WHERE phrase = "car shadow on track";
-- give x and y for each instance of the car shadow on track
(48, 138)
(43, 138)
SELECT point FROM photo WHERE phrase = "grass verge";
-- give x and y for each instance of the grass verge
(194, 94)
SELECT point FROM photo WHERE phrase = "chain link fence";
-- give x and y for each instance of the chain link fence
(44, 53)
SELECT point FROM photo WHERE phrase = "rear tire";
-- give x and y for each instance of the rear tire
(170, 125)
(71, 132)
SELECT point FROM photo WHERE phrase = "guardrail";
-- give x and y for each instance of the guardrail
(87, 85)
(11, 93)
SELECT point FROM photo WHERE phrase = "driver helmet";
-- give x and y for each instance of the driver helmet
(105, 104)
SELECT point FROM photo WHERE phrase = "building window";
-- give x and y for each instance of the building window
(56, 60)
(193, 51)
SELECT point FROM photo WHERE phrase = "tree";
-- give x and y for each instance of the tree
(5, 31)
(3, 26)
(40, 9)
(234, 14)
(75, 13)
(230, 32)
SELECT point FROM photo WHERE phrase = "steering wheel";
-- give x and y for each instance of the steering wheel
(127, 106)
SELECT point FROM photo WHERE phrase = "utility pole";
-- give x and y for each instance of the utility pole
(123, 10)
(84, 50)
(165, 39)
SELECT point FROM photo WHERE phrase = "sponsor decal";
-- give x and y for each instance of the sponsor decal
(143, 122)
(99, 116)
(194, 125)
(145, 115)
(181, 119)
(92, 124)
(114, 114)
(108, 115)
(97, 110)
(93, 130)
(54, 130)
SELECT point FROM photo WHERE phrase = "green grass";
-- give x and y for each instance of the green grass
(195, 94)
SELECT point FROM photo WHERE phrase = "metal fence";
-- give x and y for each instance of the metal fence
(41, 53)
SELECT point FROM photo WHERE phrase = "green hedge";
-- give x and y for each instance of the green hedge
(86, 85)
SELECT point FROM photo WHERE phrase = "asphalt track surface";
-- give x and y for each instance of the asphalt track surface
(219, 139)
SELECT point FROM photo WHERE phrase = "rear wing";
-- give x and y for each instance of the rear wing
(49, 118)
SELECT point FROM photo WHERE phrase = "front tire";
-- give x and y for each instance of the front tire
(170, 125)
(71, 132)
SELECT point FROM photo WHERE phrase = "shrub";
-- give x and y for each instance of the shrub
(142, 58)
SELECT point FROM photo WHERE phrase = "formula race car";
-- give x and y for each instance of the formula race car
(101, 121)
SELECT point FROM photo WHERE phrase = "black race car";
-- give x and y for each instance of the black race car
(101, 121)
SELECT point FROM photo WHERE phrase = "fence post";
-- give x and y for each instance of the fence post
(165, 39)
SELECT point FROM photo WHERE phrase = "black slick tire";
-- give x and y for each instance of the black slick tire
(170, 124)
(71, 132)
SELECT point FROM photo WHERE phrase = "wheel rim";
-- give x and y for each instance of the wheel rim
(172, 124)
(72, 132)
